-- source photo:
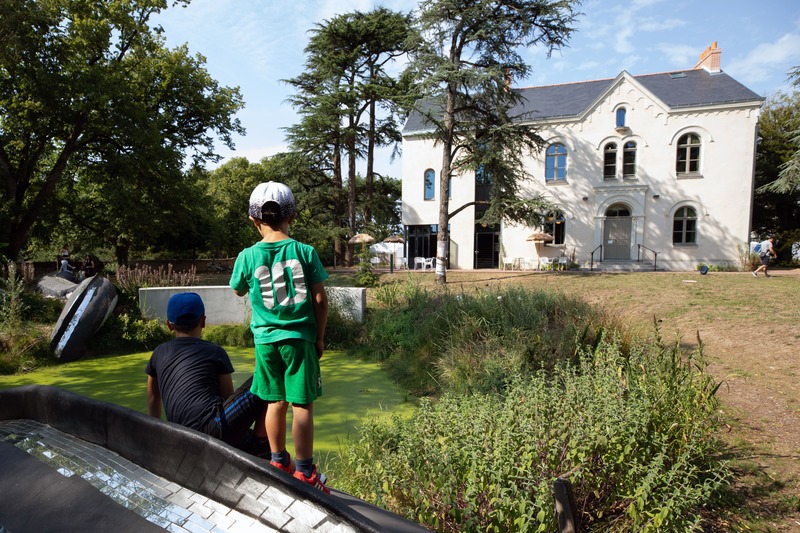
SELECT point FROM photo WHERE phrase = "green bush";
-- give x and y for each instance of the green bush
(630, 426)
(23, 345)
(473, 341)
(135, 332)
(238, 335)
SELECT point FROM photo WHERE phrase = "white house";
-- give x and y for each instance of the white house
(637, 165)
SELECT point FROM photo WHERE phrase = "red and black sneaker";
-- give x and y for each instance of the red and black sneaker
(289, 468)
(316, 480)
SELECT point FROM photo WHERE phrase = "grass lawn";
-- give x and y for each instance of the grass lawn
(352, 390)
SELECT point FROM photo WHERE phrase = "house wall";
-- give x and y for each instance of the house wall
(721, 194)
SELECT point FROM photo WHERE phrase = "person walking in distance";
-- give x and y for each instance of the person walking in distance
(766, 251)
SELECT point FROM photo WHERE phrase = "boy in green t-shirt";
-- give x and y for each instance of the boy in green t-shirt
(290, 309)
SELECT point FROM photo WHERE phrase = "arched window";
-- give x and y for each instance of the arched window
(555, 168)
(610, 161)
(629, 160)
(621, 117)
(684, 226)
(618, 210)
(556, 225)
(430, 184)
(687, 160)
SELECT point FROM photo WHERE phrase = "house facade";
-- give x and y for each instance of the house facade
(654, 167)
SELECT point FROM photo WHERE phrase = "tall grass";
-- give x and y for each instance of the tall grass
(23, 337)
(533, 387)
(475, 340)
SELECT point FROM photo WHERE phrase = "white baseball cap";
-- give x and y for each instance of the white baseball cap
(271, 191)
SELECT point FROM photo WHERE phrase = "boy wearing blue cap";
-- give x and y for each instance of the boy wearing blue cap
(192, 378)
(289, 312)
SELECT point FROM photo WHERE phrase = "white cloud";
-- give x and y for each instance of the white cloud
(762, 62)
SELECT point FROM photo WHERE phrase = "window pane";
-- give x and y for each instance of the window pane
(621, 117)
(610, 161)
(629, 160)
(694, 159)
(430, 178)
(555, 167)
(688, 154)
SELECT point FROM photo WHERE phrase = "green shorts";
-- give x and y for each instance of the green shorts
(287, 370)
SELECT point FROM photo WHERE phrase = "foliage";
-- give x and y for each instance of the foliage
(630, 425)
(788, 181)
(350, 105)
(723, 267)
(23, 346)
(776, 204)
(129, 280)
(465, 66)
(473, 341)
(89, 91)
(142, 333)
(365, 277)
(238, 335)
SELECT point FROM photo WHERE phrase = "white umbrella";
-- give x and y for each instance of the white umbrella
(540, 237)
(361, 238)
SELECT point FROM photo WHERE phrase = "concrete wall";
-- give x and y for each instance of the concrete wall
(224, 307)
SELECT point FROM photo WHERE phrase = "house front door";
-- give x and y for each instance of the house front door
(617, 238)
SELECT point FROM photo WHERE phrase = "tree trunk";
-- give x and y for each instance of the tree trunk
(339, 247)
(351, 182)
(370, 164)
(444, 179)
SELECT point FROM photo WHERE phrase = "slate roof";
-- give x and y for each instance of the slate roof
(690, 88)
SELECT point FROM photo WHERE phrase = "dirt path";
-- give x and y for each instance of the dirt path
(750, 329)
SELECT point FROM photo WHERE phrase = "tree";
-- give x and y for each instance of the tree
(788, 181)
(777, 201)
(465, 70)
(340, 95)
(87, 89)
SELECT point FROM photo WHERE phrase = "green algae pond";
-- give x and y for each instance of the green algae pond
(352, 390)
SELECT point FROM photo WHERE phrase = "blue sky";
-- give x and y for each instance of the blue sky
(254, 44)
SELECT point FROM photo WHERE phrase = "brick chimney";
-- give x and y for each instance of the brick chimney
(710, 58)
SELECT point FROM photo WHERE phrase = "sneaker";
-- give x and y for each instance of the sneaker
(767, 275)
(289, 469)
(755, 275)
(316, 480)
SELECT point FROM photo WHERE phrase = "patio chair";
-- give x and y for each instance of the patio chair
(508, 263)
(563, 263)
(545, 263)
(528, 263)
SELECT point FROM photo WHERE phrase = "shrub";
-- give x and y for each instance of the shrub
(22, 346)
(129, 280)
(230, 335)
(472, 341)
(631, 427)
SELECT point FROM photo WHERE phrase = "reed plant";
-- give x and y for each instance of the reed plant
(128, 280)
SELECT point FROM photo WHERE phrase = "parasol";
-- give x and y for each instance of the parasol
(395, 239)
(361, 238)
(540, 237)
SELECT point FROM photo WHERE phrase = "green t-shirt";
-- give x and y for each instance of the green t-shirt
(278, 277)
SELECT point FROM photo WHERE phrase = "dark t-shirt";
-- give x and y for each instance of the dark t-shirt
(187, 370)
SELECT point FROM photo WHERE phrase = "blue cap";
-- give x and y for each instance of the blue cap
(185, 309)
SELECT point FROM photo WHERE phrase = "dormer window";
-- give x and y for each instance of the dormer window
(621, 118)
